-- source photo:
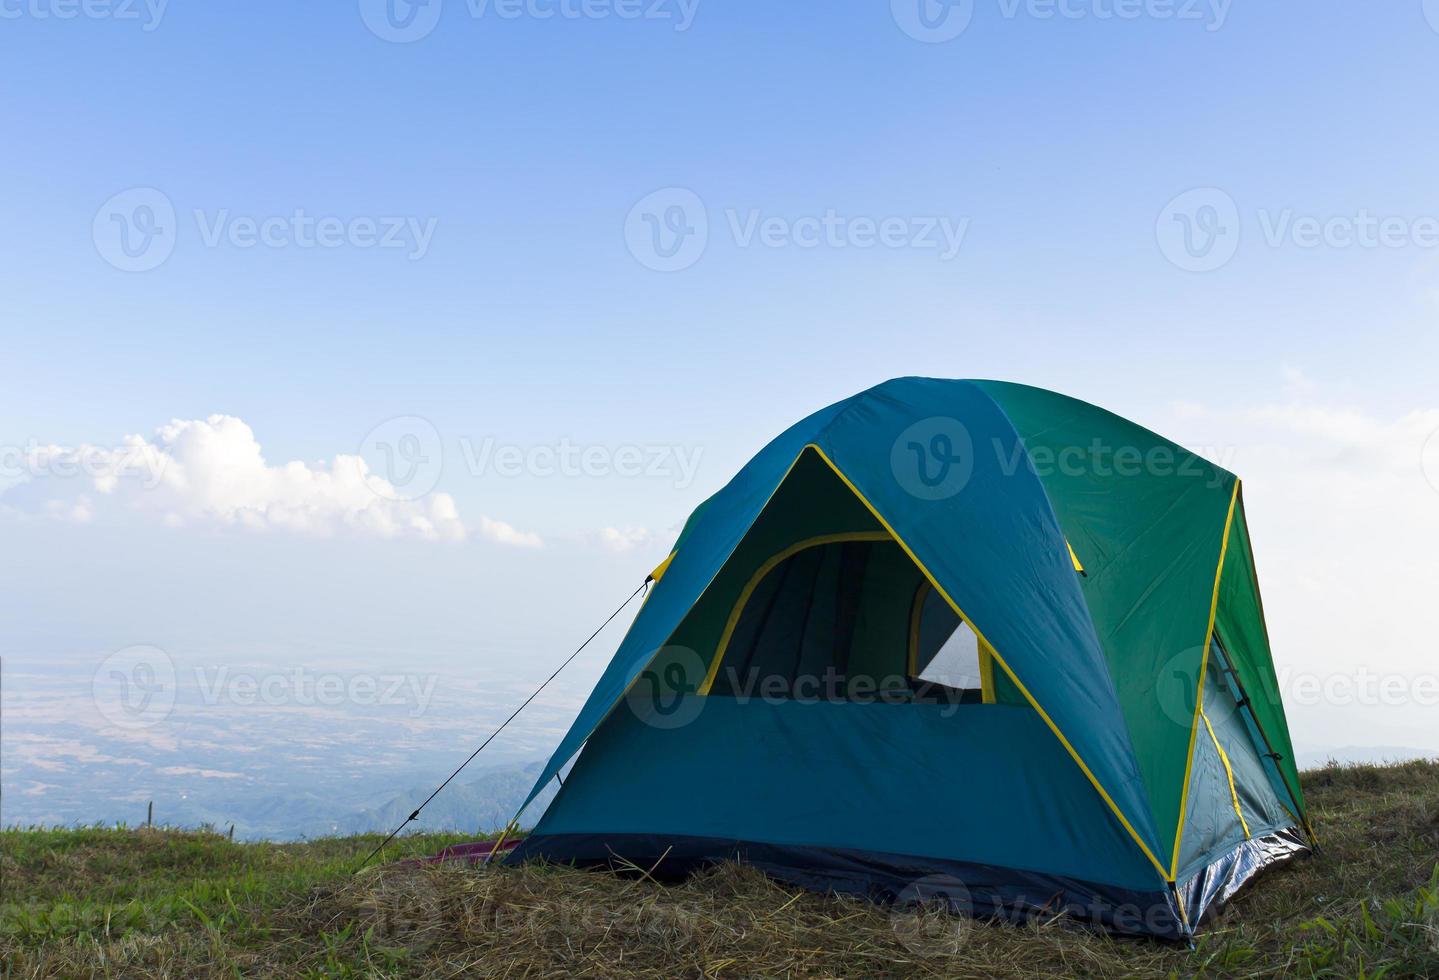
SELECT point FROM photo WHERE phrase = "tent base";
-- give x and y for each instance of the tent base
(1206, 891)
(984, 891)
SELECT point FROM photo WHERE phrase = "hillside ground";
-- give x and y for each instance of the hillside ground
(172, 903)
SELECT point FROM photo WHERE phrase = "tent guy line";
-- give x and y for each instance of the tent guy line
(874, 548)
(415, 814)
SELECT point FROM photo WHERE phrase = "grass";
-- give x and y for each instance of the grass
(171, 903)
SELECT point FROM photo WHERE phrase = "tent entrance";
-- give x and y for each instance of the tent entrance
(820, 602)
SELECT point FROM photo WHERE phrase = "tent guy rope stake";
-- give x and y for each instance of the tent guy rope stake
(416, 814)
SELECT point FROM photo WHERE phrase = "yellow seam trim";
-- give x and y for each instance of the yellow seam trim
(1183, 915)
(1199, 687)
(1123, 820)
(1228, 771)
(1264, 625)
(703, 592)
(1078, 565)
(738, 609)
(662, 567)
(634, 680)
(986, 673)
(986, 661)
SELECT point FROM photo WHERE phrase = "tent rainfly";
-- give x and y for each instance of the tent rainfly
(960, 638)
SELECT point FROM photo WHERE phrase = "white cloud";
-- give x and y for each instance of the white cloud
(624, 539)
(505, 534)
(203, 773)
(213, 472)
(1343, 507)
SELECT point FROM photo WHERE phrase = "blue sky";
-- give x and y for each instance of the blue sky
(1056, 137)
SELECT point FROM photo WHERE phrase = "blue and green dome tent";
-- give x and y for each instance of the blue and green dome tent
(967, 632)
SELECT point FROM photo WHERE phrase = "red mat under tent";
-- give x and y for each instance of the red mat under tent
(472, 853)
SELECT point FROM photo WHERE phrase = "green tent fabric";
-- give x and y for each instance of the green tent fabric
(789, 693)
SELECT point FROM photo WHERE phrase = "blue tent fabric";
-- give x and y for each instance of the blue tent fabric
(1259, 811)
(1012, 554)
(1023, 839)
(710, 540)
(843, 763)
(1039, 791)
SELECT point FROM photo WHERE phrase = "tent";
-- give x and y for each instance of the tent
(950, 637)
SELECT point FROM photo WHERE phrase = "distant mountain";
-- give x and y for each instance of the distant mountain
(481, 805)
(1362, 755)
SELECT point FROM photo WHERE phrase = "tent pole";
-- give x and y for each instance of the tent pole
(1183, 915)
(499, 843)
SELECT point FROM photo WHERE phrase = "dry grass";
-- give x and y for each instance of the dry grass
(730, 921)
(127, 903)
